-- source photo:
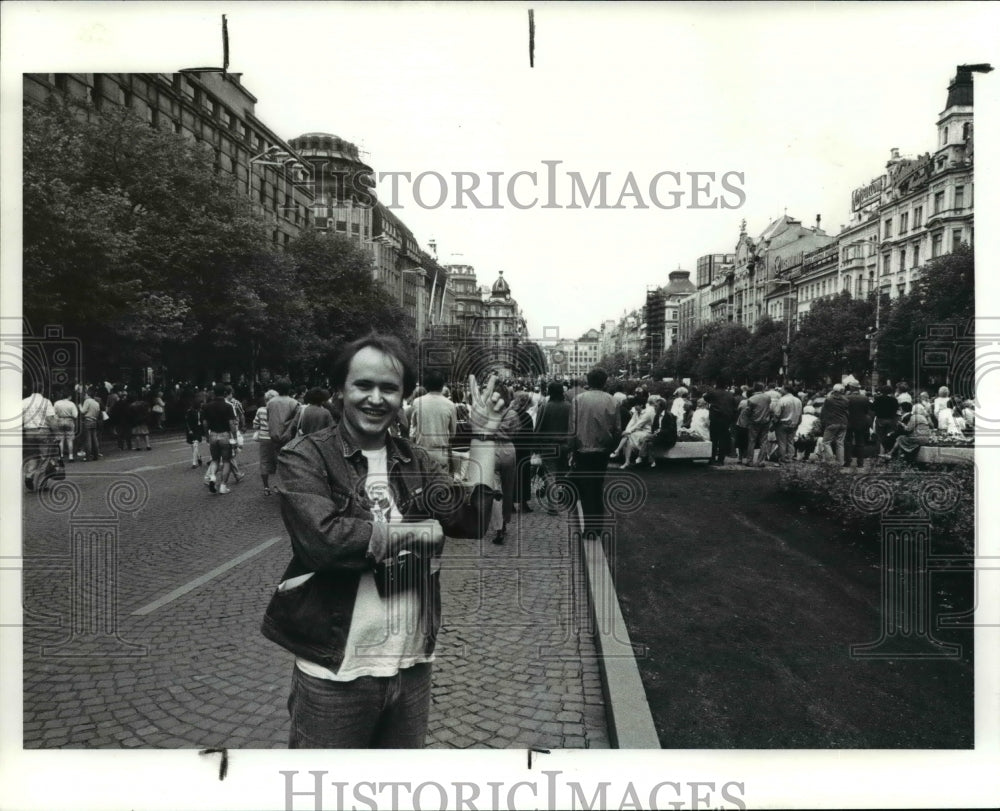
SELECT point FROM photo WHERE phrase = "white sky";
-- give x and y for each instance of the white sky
(805, 100)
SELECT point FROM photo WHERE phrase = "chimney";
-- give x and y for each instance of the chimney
(817, 221)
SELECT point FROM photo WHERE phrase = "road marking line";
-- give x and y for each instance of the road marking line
(200, 581)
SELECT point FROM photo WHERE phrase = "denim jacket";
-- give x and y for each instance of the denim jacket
(329, 522)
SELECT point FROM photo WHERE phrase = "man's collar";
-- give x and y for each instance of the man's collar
(349, 448)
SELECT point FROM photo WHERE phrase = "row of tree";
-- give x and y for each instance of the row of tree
(137, 245)
(838, 336)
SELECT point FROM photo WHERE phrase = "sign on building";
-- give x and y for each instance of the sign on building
(865, 195)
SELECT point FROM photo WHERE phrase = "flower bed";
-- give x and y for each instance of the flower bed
(825, 489)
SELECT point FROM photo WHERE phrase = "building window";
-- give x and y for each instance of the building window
(936, 246)
(956, 239)
(918, 216)
(904, 222)
(902, 260)
(886, 258)
(916, 254)
(938, 201)
(960, 197)
(888, 228)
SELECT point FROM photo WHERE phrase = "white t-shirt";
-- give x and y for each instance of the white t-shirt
(35, 409)
(386, 634)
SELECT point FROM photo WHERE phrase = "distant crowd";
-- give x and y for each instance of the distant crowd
(753, 425)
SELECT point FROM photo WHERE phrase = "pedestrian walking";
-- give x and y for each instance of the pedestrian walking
(552, 442)
(220, 426)
(859, 426)
(91, 417)
(721, 415)
(237, 407)
(505, 462)
(594, 432)
(833, 415)
(265, 447)
(138, 414)
(524, 442)
(367, 513)
(120, 421)
(194, 431)
(38, 437)
(67, 415)
(157, 409)
(433, 420)
(758, 416)
(787, 416)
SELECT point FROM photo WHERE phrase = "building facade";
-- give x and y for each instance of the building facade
(572, 360)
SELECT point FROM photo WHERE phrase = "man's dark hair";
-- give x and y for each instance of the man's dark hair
(556, 391)
(906, 407)
(316, 396)
(387, 344)
(904, 386)
(433, 380)
(219, 390)
(229, 389)
(283, 386)
(758, 387)
(887, 390)
(596, 378)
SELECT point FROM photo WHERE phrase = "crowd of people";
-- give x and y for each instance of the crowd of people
(755, 425)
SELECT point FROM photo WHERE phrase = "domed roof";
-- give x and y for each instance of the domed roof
(680, 283)
(500, 288)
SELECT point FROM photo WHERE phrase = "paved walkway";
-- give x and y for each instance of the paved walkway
(517, 665)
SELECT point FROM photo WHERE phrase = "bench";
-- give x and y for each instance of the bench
(945, 455)
(692, 451)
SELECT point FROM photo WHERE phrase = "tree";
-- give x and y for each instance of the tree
(341, 299)
(132, 240)
(135, 243)
(942, 296)
(614, 363)
(764, 355)
(724, 356)
(831, 339)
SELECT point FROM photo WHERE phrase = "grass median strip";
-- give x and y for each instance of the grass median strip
(205, 578)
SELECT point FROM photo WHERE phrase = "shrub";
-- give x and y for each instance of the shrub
(945, 494)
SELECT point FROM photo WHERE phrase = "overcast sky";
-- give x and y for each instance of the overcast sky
(804, 102)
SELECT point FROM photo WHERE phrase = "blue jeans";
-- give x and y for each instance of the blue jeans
(369, 712)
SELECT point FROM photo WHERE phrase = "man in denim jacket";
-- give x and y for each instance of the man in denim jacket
(367, 513)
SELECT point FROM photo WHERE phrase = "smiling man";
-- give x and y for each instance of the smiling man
(360, 603)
